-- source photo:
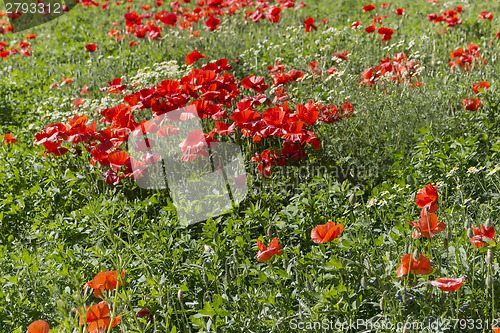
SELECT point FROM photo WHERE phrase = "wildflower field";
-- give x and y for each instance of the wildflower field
(342, 177)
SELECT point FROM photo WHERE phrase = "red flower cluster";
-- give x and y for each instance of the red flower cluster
(466, 59)
(8, 139)
(448, 16)
(485, 15)
(428, 224)
(24, 47)
(401, 70)
(207, 12)
(384, 31)
(208, 93)
(472, 104)
(322, 233)
(4, 24)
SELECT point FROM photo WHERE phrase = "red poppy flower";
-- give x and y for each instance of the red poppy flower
(426, 196)
(450, 13)
(485, 15)
(91, 47)
(355, 25)
(341, 55)
(296, 75)
(384, 5)
(483, 237)
(308, 113)
(194, 56)
(400, 11)
(427, 228)
(9, 138)
(266, 253)
(66, 81)
(145, 6)
(144, 312)
(224, 129)
(104, 281)
(309, 22)
(422, 266)
(498, 35)
(323, 233)
(429, 209)
(85, 91)
(273, 14)
(387, 32)
(485, 85)
(116, 159)
(97, 318)
(368, 8)
(30, 36)
(194, 145)
(447, 284)
(471, 104)
(369, 29)
(115, 86)
(325, 21)
(254, 82)
(111, 178)
(39, 326)
(495, 329)
(212, 23)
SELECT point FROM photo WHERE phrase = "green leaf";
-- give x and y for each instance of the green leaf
(208, 311)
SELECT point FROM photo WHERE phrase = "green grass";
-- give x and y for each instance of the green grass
(61, 224)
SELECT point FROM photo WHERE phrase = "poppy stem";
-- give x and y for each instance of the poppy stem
(430, 233)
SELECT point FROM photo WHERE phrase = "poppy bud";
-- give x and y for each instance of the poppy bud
(388, 255)
(409, 179)
(487, 224)
(382, 303)
(489, 256)
(237, 60)
(269, 232)
(206, 248)
(364, 283)
(179, 295)
(489, 281)
(416, 255)
(470, 233)
(352, 199)
(410, 249)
